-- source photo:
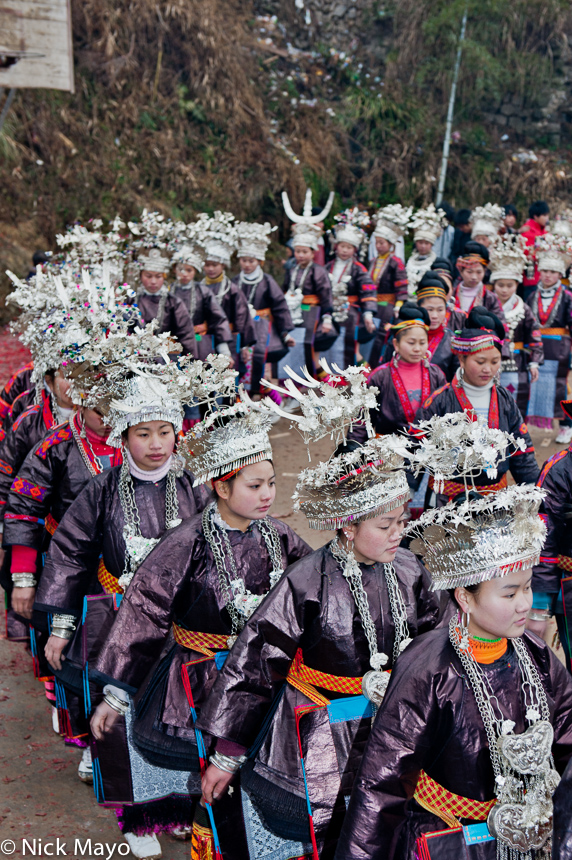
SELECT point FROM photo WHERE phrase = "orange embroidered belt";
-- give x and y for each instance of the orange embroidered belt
(555, 331)
(565, 562)
(353, 300)
(453, 488)
(448, 806)
(310, 300)
(204, 643)
(50, 524)
(518, 345)
(386, 298)
(201, 329)
(107, 581)
(306, 679)
(264, 312)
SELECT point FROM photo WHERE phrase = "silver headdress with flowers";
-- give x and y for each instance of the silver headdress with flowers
(354, 486)
(191, 255)
(428, 224)
(481, 538)
(89, 245)
(553, 253)
(350, 227)
(507, 258)
(392, 222)
(454, 447)
(253, 239)
(486, 220)
(216, 235)
(227, 440)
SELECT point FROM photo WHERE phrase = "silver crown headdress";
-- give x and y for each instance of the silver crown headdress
(88, 245)
(454, 447)
(392, 222)
(553, 253)
(350, 227)
(152, 260)
(305, 230)
(253, 239)
(481, 538)
(216, 235)
(507, 258)
(152, 230)
(428, 224)
(327, 410)
(486, 220)
(226, 440)
(562, 226)
(354, 486)
(189, 254)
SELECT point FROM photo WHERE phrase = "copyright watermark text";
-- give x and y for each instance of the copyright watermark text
(60, 848)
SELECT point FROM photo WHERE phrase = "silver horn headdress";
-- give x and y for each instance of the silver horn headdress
(306, 215)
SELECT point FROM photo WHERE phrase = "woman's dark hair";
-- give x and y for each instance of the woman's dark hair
(540, 207)
(411, 311)
(509, 209)
(448, 210)
(462, 216)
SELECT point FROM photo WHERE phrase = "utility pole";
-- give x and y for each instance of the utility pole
(449, 125)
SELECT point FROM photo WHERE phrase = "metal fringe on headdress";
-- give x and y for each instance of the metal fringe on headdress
(327, 410)
(429, 222)
(454, 447)
(253, 239)
(392, 222)
(226, 440)
(350, 227)
(553, 252)
(480, 539)
(487, 219)
(355, 486)
(507, 258)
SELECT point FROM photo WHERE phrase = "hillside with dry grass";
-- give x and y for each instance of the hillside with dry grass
(192, 105)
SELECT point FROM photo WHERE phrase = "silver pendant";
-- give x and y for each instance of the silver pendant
(373, 686)
(172, 524)
(505, 824)
(530, 751)
(139, 547)
(230, 641)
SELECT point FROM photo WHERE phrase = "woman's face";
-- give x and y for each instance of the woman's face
(186, 273)
(378, 539)
(152, 281)
(504, 289)
(500, 606)
(473, 275)
(549, 277)
(213, 269)
(481, 367)
(345, 250)
(94, 422)
(483, 240)
(382, 246)
(151, 443)
(251, 494)
(60, 387)
(437, 310)
(423, 247)
(248, 264)
(412, 345)
(303, 255)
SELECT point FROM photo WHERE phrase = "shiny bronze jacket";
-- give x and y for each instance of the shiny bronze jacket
(429, 721)
(178, 582)
(311, 608)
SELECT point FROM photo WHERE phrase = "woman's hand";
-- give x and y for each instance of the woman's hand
(53, 651)
(369, 325)
(534, 374)
(23, 601)
(215, 783)
(103, 720)
(327, 326)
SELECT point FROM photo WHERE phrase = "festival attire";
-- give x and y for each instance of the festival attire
(306, 673)
(552, 310)
(433, 762)
(212, 330)
(427, 224)
(18, 383)
(184, 608)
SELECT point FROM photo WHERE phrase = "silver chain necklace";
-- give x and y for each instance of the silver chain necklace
(525, 778)
(374, 682)
(137, 547)
(240, 602)
(252, 284)
(93, 470)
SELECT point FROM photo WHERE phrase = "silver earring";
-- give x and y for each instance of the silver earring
(464, 644)
(461, 374)
(396, 358)
(82, 432)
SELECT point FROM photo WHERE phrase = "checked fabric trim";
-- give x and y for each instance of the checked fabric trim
(305, 679)
(107, 581)
(453, 488)
(204, 643)
(448, 806)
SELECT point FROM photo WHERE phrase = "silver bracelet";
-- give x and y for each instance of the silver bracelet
(24, 580)
(116, 703)
(65, 622)
(62, 632)
(227, 763)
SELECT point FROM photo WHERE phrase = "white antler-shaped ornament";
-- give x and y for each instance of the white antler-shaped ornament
(307, 216)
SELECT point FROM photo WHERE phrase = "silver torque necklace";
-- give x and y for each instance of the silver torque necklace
(525, 778)
(137, 547)
(252, 284)
(375, 681)
(240, 602)
(292, 284)
(93, 470)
